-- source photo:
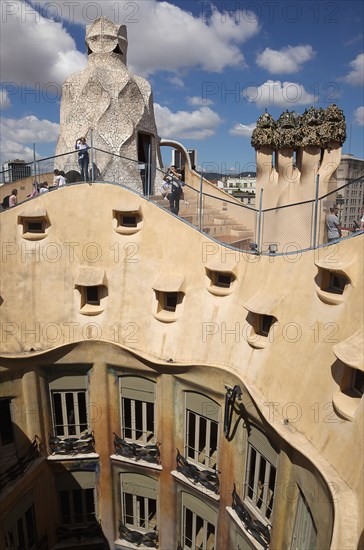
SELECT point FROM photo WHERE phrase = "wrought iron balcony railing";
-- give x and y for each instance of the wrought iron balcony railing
(71, 445)
(149, 453)
(149, 539)
(207, 478)
(18, 468)
(256, 528)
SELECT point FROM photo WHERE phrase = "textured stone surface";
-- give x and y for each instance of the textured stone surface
(105, 99)
(319, 127)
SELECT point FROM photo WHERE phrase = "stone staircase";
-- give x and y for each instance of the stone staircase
(216, 223)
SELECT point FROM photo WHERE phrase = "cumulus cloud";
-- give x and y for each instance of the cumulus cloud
(176, 81)
(163, 36)
(198, 101)
(285, 61)
(199, 124)
(4, 99)
(17, 134)
(356, 75)
(358, 117)
(279, 94)
(29, 129)
(46, 53)
(243, 130)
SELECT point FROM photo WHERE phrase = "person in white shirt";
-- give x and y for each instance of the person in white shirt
(59, 179)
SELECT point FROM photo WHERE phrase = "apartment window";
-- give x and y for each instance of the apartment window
(264, 324)
(333, 282)
(168, 301)
(69, 405)
(139, 502)
(76, 495)
(260, 476)
(137, 408)
(357, 383)
(20, 528)
(6, 424)
(202, 430)
(304, 531)
(221, 279)
(130, 219)
(23, 534)
(198, 524)
(35, 227)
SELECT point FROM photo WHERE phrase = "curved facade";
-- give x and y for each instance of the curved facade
(182, 394)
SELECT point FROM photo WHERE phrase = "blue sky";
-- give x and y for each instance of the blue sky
(214, 67)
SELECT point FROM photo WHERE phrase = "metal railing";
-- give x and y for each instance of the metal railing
(18, 467)
(283, 230)
(149, 453)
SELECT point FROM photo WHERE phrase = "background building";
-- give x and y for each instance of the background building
(14, 170)
(351, 199)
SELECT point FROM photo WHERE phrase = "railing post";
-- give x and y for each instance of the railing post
(149, 171)
(35, 164)
(259, 228)
(92, 157)
(315, 214)
(200, 213)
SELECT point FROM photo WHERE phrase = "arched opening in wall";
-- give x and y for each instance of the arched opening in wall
(274, 159)
(145, 161)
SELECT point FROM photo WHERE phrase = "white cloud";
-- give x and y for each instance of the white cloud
(17, 134)
(356, 75)
(199, 124)
(163, 36)
(11, 150)
(29, 129)
(4, 99)
(244, 130)
(176, 81)
(45, 52)
(280, 94)
(358, 117)
(285, 61)
(198, 101)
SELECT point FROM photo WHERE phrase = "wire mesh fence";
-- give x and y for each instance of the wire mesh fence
(278, 230)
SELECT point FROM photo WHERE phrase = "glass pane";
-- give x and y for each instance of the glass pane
(270, 496)
(138, 420)
(6, 425)
(30, 523)
(152, 513)
(213, 444)
(77, 506)
(250, 472)
(141, 512)
(202, 440)
(65, 507)
(82, 411)
(128, 509)
(150, 421)
(191, 422)
(199, 533)
(210, 539)
(188, 529)
(58, 417)
(90, 504)
(70, 411)
(21, 539)
(127, 418)
(260, 488)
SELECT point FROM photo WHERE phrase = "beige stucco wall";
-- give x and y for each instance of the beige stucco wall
(291, 376)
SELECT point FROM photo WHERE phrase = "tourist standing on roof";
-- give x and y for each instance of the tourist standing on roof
(83, 158)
